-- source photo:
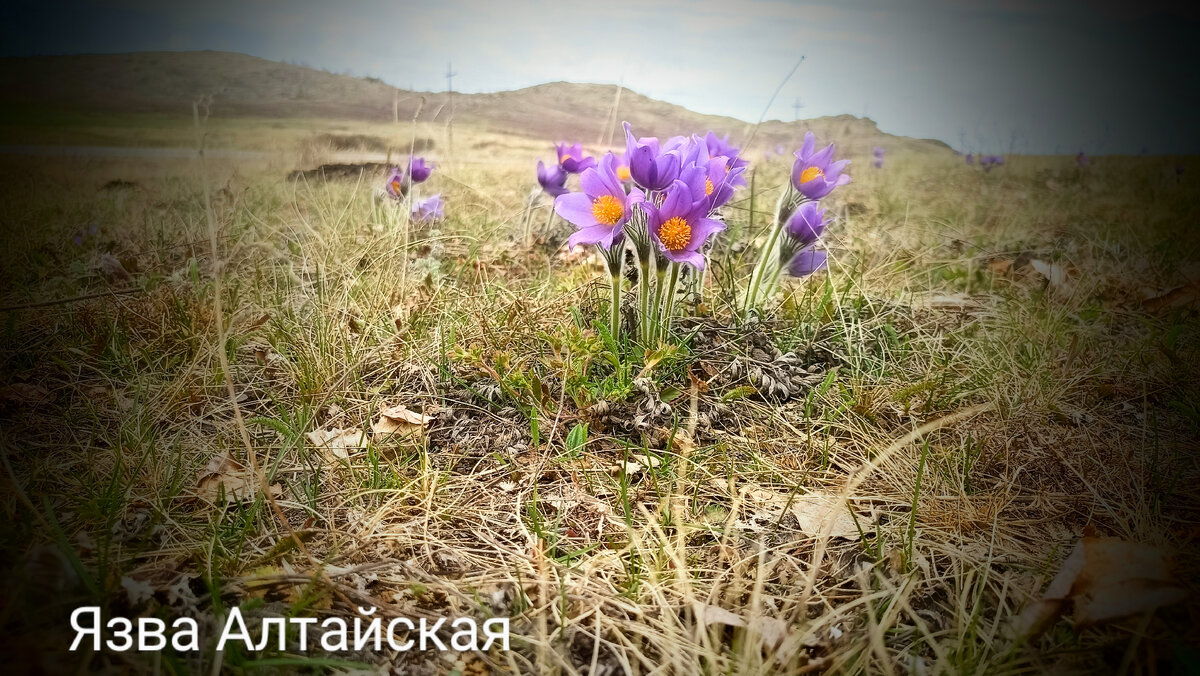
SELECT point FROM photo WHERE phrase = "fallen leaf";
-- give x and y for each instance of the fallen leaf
(1054, 273)
(180, 592)
(335, 444)
(136, 590)
(1001, 266)
(225, 479)
(23, 394)
(1180, 296)
(1105, 579)
(398, 420)
(942, 301)
(681, 443)
(816, 512)
(646, 460)
(772, 630)
(819, 513)
(111, 268)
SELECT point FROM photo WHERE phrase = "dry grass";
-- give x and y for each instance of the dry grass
(977, 422)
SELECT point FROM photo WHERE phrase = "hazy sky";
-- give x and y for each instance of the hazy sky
(997, 76)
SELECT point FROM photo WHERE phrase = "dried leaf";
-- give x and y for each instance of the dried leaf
(399, 420)
(136, 590)
(646, 460)
(111, 268)
(1001, 266)
(180, 593)
(1105, 579)
(225, 479)
(820, 513)
(1054, 273)
(942, 301)
(718, 615)
(817, 513)
(1180, 296)
(336, 444)
(23, 394)
(773, 630)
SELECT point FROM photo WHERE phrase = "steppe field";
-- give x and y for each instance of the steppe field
(234, 379)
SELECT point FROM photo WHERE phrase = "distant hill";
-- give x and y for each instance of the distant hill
(242, 85)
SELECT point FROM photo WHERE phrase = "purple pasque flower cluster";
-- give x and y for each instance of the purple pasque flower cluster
(878, 154)
(814, 176)
(400, 179)
(678, 186)
(689, 180)
(804, 229)
(799, 221)
(988, 162)
(664, 198)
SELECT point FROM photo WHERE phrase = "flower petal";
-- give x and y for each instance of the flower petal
(591, 235)
(702, 230)
(806, 262)
(576, 209)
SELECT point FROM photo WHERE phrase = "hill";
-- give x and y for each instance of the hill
(247, 86)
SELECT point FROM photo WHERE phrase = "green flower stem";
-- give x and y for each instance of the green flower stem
(614, 310)
(660, 274)
(526, 227)
(645, 266)
(766, 257)
(668, 300)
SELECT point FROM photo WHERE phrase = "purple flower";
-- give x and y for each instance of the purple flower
(804, 229)
(878, 162)
(718, 182)
(806, 262)
(1179, 170)
(1082, 159)
(602, 209)
(720, 147)
(622, 169)
(571, 158)
(649, 167)
(680, 226)
(878, 152)
(813, 174)
(806, 224)
(970, 158)
(989, 161)
(395, 186)
(418, 171)
(552, 179)
(430, 209)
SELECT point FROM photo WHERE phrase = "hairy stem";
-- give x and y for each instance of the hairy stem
(614, 309)
(766, 257)
(645, 267)
(668, 300)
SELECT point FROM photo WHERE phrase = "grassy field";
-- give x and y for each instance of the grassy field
(988, 372)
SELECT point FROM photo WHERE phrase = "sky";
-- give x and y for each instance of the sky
(1027, 76)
